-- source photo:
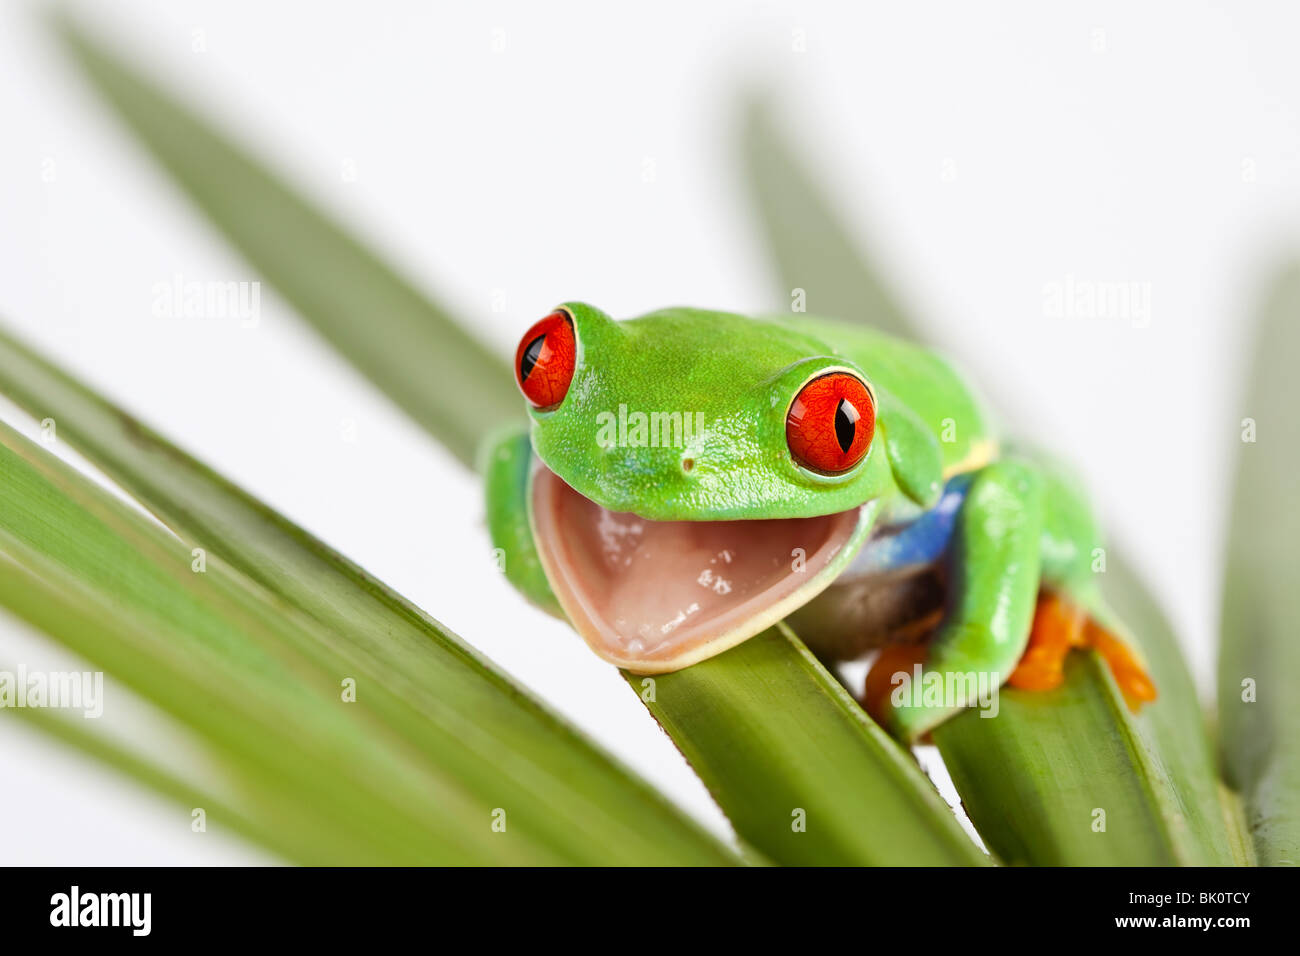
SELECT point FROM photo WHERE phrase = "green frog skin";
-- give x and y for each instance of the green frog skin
(690, 477)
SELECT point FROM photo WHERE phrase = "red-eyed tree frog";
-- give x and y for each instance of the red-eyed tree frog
(689, 478)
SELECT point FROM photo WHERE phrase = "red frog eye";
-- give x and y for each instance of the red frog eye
(544, 360)
(830, 423)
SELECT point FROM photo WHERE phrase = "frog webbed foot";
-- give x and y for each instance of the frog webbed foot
(1061, 625)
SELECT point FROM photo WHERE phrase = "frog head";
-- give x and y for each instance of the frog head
(700, 475)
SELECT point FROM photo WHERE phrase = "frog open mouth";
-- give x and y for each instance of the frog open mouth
(657, 596)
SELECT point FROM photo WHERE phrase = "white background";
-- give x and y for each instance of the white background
(1102, 141)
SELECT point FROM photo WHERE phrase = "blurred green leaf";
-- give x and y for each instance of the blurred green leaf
(1174, 728)
(1167, 747)
(810, 246)
(251, 654)
(101, 580)
(1259, 655)
(805, 776)
(407, 345)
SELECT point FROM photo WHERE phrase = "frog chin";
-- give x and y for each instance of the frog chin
(657, 596)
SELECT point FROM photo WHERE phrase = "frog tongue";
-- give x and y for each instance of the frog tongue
(655, 596)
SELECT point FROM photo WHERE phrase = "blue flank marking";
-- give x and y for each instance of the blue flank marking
(920, 542)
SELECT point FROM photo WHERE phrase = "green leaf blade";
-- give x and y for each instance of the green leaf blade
(1039, 795)
(1259, 657)
(1174, 729)
(802, 773)
(809, 245)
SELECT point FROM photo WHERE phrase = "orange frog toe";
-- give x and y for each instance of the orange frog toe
(1057, 627)
(1060, 626)
(892, 659)
(1134, 682)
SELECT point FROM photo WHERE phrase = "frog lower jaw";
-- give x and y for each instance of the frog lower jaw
(657, 596)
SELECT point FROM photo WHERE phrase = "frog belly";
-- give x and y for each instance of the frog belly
(859, 614)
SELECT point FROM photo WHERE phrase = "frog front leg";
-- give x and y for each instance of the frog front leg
(507, 464)
(993, 579)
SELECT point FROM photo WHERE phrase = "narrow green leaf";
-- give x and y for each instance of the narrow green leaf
(413, 771)
(1040, 795)
(1259, 655)
(120, 601)
(1168, 746)
(1241, 847)
(237, 197)
(1174, 728)
(804, 775)
(408, 346)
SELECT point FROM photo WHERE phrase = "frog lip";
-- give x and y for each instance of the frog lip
(657, 596)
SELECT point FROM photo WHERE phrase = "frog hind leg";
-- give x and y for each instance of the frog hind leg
(1058, 628)
(1070, 612)
(993, 574)
(1062, 625)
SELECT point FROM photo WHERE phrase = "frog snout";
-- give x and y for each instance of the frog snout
(628, 472)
